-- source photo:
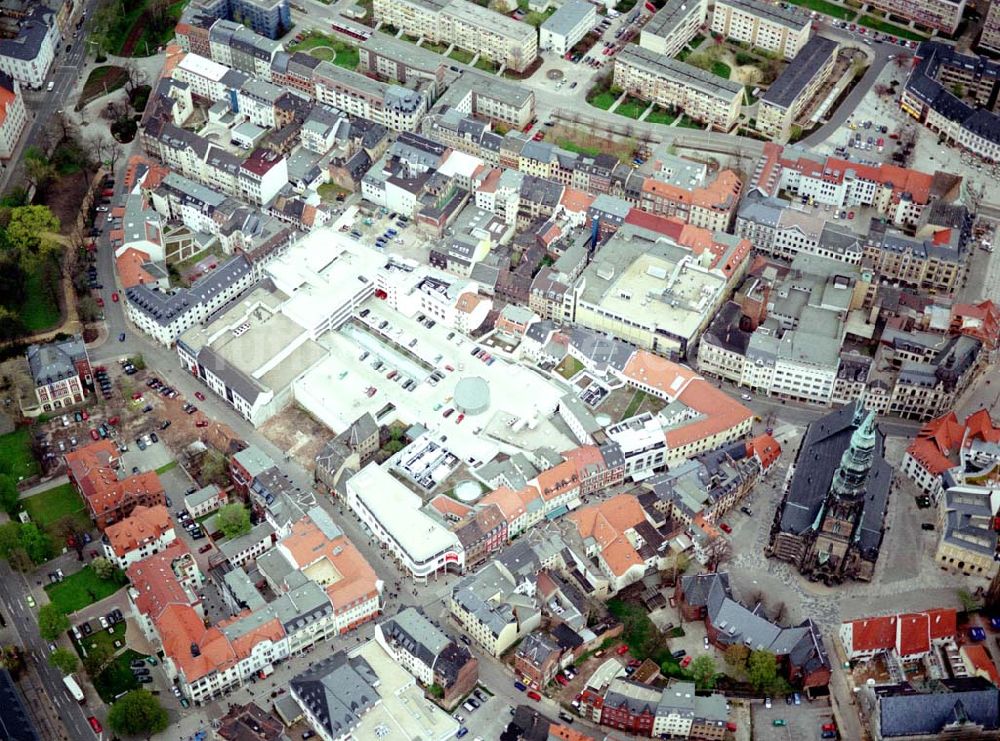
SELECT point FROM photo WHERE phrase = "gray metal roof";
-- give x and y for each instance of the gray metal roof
(337, 691)
(54, 361)
(905, 712)
(411, 629)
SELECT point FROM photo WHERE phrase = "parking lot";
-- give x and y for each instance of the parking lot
(802, 722)
(397, 349)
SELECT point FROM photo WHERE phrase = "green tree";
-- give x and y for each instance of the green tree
(11, 324)
(9, 501)
(87, 309)
(762, 671)
(213, 468)
(35, 543)
(28, 224)
(97, 658)
(103, 568)
(703, 670)
(51, 621)
(10, 538)
(64, 660)
(233, 520)
(137, 714)
(37, 168)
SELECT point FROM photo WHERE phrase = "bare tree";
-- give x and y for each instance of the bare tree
(719, 551)
(134, 76)
(779, 613)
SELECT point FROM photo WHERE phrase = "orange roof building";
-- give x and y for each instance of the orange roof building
(898, 192)
(511, 505)
(131, 267)
(323, 554)
(623, 540)
(142, 533)
(110, 495)
(13, 116)
(943, 444)
(909, 635)
(716, 418)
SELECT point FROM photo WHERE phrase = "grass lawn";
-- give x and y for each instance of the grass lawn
(660, 116)
(48, 507)
(117, 677)
(81, 589)
(689, 123)
(683, 54)
(602, 100)
(748, 96)
(721, 69)
(569, 367)
(486, 65)
(903, 33)
(16, 459)
(100, 636)
(328, 49)
(166, 467)
(631, 108)
(831, 9)
(571, 146)
(329, 192)
(461, 55)
(537, 19)
(696, 41)
(39, 310)
(633, 406)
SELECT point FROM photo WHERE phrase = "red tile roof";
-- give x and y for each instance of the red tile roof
(980, 662)
(937, 445)
(608, 523)
(873, 634)
(766, 448)
(143, 525)
(909, 634)
(129, 267)
(155, 583)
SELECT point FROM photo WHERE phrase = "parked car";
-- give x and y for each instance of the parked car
(199, 396)
(977, 634)
(534, 696)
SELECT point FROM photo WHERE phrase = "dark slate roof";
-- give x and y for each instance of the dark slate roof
(567, 638)
(697, 588)
(906, 712)
(725, 332)
(15, 723)
(337, 691)
(450, 662)
(817, 461)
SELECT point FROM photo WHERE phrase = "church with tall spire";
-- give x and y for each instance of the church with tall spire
(831, 518)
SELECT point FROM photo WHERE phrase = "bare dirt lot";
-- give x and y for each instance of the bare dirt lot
(298, 434)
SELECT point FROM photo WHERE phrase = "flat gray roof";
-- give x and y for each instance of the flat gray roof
(568, 16)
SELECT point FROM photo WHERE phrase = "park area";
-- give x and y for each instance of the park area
(83, 588)
(54, 507)
(134, 28)
(16, 459)
(328, 49)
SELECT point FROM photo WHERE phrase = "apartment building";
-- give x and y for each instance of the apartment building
(397, 108)
(673, 26)
(262, 175)
(898, 193)
(166, 316)
(790, 95)
(762, 25)
(390, 58)
(59, 370)
(709, 205)
(946, 451)
(933, 261)
(775, 227)
(95, 471)
(563, 29)
(269, 18)
(968, 543)
(13, 116)
(705, 97)
(970, 121)
(937, 15)
(480, 30)
(146, 531)
(27, 56)
(243, 49)
(418, 644)
(989, 39)
(488, 608)
(926, 389)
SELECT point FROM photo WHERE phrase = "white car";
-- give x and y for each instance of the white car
(104, 621)
(102, 209)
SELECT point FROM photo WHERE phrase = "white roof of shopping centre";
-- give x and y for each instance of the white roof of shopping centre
(398, 510)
